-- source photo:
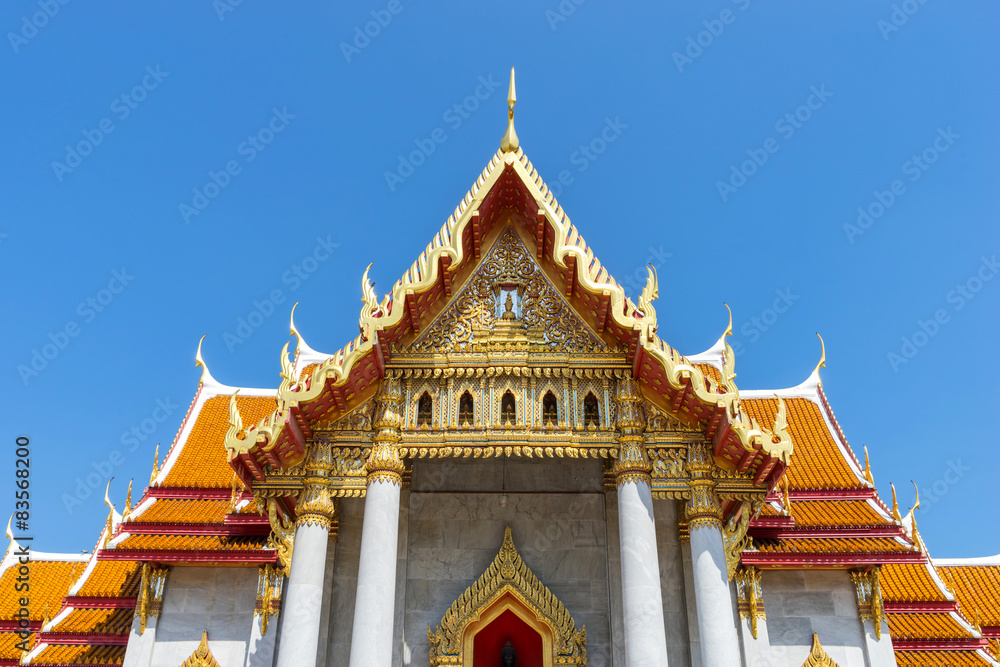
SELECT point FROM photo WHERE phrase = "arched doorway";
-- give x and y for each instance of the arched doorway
(507, 602)
(501, 624)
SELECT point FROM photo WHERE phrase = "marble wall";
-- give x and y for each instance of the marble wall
(799, 603)
(197, 599)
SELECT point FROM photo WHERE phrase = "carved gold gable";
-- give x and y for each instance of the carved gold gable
(509, 577)
(817, 656)
(508, 299)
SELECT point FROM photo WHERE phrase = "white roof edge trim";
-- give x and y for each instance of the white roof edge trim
(967, 562)
(712, 356)
(75, 588)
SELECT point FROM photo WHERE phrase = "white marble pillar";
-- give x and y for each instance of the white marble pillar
(139, 652)
(374, 608)
(264, 624)
(645, 635)
(713, 598)
(260, 648)
(302, 607)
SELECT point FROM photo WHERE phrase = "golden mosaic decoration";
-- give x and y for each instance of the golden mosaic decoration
(150, 600)
(750, 597)
(868, 587)
(507, 575)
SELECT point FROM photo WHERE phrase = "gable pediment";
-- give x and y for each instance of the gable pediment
(508, 299)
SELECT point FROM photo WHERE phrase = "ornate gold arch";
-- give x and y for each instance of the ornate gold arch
(508, 584)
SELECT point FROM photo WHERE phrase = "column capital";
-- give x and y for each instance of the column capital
(703, 510)
(384, 463)
(632, 463)
(316, 506)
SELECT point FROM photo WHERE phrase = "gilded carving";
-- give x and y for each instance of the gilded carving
(632, 463)
(202, 656)
(270, 581)
(817, 656)
(868, 587)
(384, 463)
(507, 575)
(316, 505)
(750, 597)
(668, 463)
(734, 537)
(151, 589)
(703, 509)
(508, 272)
(282, 538)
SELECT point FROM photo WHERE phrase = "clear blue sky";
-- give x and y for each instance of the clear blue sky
(198, 81)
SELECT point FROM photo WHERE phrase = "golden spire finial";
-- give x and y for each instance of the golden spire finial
(895, 505)
(868, 469)
(128, 500)
(156, 465)
(200, 361)
(729, 327)
(822, 355)
(509, 143)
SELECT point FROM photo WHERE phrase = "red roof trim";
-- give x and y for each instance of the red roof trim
(82, 639)
(825, 532)
(83, 602)
(762, 559)
(970, 644)
(198, 529)
(991, 631)
(15, 626)
(231, 557)
(178, 493)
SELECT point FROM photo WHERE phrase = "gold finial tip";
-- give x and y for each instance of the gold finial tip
(729, 327)
(510, 143)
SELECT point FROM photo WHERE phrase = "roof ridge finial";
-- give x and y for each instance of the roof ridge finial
(509, 143)
(822, 356)
(868, 469)
(895, 505)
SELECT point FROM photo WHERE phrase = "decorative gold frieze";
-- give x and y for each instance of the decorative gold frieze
(282, 538)
(703, 509)
(868, 586)
(817, 656)
(316, 506)
(508, 300)
(750, 597)
(508, 577)
(150, 599)
(270, 581)
(202, 656)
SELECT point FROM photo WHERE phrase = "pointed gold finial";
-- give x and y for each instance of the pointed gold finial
(822, 355)
(509, 143)
(200, 361)
(156, 465)
(729, 327)
(868, 469)
(895, 505)
(128, 500)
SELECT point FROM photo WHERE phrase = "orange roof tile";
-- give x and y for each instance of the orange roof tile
(101, 621)
(939, 659)
(909, 583)
(926, 626)
(190, 543)
(834, 546)
(119, 579)
(977, 588)
(836, 513)
(202, 461)
(80, 655)
(182, 511)
(817, 462)
(50, 580)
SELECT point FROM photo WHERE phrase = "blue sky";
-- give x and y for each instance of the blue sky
(747, 137)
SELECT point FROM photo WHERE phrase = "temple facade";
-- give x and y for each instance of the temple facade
(507, 466)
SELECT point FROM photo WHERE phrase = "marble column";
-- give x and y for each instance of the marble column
(645, 636)
(139, 652)
(753, 620)
(315, 513)
(716, 624)
(371, 637)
